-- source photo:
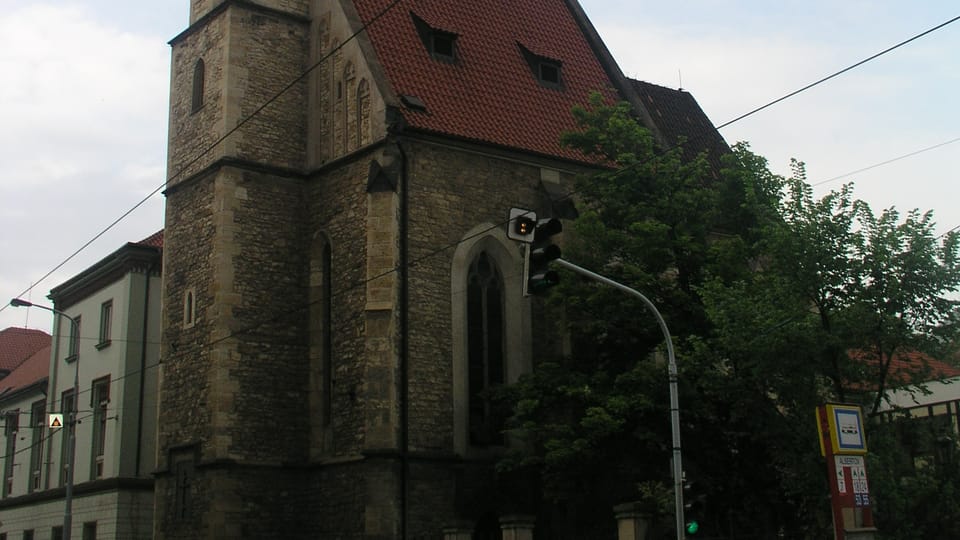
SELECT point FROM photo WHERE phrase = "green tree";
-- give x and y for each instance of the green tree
(766, 290)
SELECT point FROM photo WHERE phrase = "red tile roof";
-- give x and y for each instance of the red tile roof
(489, 94)
(910, 367)
(18, 344)
(33, 369)
(154, 240)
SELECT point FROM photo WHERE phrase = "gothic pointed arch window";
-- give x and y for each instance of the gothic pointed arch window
(485, 349)
(363, 112)
(196, 101)
(490, 327)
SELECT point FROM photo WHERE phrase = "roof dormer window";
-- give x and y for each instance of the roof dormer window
(547, 71)
(441, 44)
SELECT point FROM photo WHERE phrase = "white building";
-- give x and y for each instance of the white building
(115, 357)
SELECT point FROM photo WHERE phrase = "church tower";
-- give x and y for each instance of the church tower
(339, 289)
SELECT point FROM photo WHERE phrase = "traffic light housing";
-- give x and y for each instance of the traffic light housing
(540, 252)
(693, 509)
(522, 225)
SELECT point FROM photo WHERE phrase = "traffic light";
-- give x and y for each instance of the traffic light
(521, 225)
(540, 252)
(693, 508)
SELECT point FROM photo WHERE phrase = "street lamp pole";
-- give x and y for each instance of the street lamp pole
(72, 421)
(673, 376)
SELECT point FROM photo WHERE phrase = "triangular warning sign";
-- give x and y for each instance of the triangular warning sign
(56, 423)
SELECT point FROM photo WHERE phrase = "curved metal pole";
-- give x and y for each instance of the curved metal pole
(72, 421)
(672, 370)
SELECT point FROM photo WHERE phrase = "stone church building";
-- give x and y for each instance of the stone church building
(338, 285)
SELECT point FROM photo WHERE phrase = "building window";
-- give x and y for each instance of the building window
(189, 308)
(547, 71)
(106, 321)
(484, 348)
(363, 112)
(11, 425)
(38, 422)
(74, 351)
(196, 100)
(327, 335)
(99, 400)
(56, 533)
(89, 531)
(182, 485)
(490, 321)
(28, 534)
(67, 407)
(441, 44)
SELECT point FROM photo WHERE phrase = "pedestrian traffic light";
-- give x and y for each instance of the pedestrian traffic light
(522, 225)
(540, 252)
(693, 508)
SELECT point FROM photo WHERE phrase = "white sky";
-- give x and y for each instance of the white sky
(83, 107)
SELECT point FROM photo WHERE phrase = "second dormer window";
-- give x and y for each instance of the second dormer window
(546, 70)
(442, 48)
(441, 44)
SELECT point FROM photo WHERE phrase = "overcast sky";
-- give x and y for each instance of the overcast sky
(83, 108)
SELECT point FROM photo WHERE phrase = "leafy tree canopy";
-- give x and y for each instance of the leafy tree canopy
(766, 290)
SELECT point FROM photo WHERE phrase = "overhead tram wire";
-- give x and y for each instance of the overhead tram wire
(351, 37)
(569, 195)
(208, 149)
(444, 248)
(874, 166)
(842, 71)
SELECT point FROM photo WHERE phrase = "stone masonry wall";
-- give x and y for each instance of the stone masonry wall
(199, 8)
(451, 192)
(191, 132)
(337, 209)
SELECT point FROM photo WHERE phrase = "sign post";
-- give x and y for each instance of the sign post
(843, 444)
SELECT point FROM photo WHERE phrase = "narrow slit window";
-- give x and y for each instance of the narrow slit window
(189, 308)
(198, 84)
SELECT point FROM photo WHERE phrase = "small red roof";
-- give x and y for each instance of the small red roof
(910, 367)
(18, 344)
(34, 369)
(489, 93)
(154, 240)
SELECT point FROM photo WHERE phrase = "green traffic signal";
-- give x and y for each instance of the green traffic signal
(693, 527)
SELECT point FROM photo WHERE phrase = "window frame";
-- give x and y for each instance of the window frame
(517, 325)
(189, 308)
(68, 406)
(99, 401)
(106, 324)
(198, 85)
(73, 349)
(11, 429)
(38, 423)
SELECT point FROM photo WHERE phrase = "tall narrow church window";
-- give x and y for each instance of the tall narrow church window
(197, 96)
(326, 336)
(485, 349)
(189, 308)
(321, 374)
(363, 112)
